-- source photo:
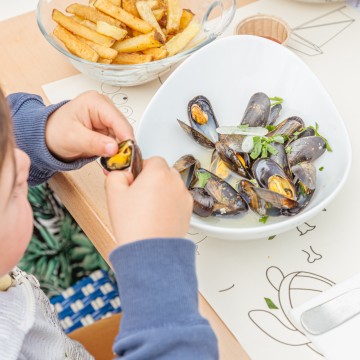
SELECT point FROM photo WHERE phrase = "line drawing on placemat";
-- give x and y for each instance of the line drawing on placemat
(291, 290)
(312, 255)
(305, 228)
(310, 37)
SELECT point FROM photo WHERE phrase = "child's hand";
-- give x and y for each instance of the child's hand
(86, 126)
(156, 204)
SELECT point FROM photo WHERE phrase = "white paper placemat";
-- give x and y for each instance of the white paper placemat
(9, 9)
(252, 285)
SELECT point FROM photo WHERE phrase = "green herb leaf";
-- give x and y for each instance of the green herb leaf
(263, 219)
(321, 168)
(264, 151)
(270, 127)
(271, 150)
(257, 147)
(272, 237)
(316, 128)
(203, 178)
(276, 100)
(279, 139)
(271, 304)
(288, 149)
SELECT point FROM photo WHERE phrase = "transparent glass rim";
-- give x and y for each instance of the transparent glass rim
(165, 62)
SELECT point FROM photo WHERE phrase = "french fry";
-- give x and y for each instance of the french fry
(180, 40)
(138, 43)
(90, 13)
(77, 18)
(110, 30)
(186, 17)
(174, 13)
(130, 7)
(104, 61)
(116, 2)
(122, 15)
(147, 15)
(78, 29)
(89, 24)
(132, 58)
(158, 14)
(156, 53)
(154, 4)
(74, 45)
(104, 52)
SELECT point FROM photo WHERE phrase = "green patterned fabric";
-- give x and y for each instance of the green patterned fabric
(59, 253)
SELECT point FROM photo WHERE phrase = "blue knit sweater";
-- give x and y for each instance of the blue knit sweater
(156, 277)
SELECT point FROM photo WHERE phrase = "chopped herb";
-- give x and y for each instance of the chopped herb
(288, 149)
(271, 237)
(271, 150)
(276, 100)
(257, 147)
(253, 181)
(302, 188)
(262, 145)
(316, 128)
(203, 178)
(270, 127)
(263, 219)
(270, 304)
(321, 168)
(279, 139)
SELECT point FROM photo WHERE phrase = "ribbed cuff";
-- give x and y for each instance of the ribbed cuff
(157, 283)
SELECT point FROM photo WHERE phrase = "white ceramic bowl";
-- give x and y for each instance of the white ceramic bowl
(214, 15)
(228, 72)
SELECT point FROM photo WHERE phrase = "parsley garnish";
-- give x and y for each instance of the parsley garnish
(288, 149)
(203, 178)
(270, 304)
(276, 100)
(262, 145)
(271, 237)
(263, 219)
(316, 128)
(321, 168)
(270, 127)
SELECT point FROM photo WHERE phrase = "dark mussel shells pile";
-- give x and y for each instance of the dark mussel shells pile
(259, 164)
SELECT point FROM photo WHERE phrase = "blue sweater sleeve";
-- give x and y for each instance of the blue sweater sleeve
(29, 116)
(158, 290)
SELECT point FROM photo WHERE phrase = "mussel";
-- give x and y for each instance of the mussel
(257, 111)
(203, 122)
(128, 157)
(187, 166)
(288, 126)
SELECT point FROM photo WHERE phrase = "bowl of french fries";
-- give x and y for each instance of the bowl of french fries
(131, 42)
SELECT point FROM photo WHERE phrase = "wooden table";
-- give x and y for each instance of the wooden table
(27, 62)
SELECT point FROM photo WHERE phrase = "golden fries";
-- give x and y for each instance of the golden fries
(110, 30)
(126, 31)
(90, 13)
(138, 43)
(81, 30)
(122, 15)
(179, 41)
(174, 13)
(74, 45)
(147, 15)
(131, 58)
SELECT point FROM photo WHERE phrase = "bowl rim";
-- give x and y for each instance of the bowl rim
(163, 62)
(291, 222)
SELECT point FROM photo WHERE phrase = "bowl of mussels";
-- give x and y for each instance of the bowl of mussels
(257, 139)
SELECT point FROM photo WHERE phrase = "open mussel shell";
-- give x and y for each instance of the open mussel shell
(271, 176)
(274, 114)
(196, 135)
(203, 202)
(237, 162)
(281, 158)
(307, 148)
(227, 201)
(202, 117)
(304, 196)
(306, 173)
(187, 166)
(128, 158)
(257, 111)
(288, 126)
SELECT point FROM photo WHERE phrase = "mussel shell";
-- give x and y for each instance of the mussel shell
(306, 149)
(135, 161)
(257, 111)
(275, 199)
(196, 135)
(203, 202)
(306, 173)
(303, 198)
(233, 141)
(187, 166)
(227, 200)
(281, 158)
(264, 169)
(288, 126)
(231, 159)
(274, 114)
(208, 129)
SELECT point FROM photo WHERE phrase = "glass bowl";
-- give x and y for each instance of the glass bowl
(215, 16)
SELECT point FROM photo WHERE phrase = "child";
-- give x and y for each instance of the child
(154, 265)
